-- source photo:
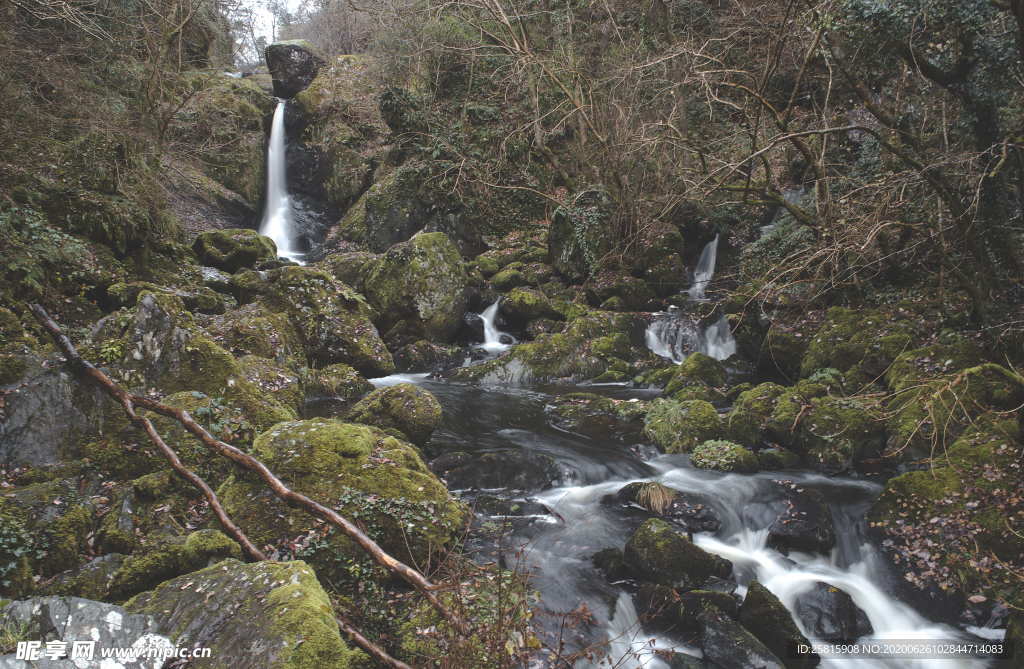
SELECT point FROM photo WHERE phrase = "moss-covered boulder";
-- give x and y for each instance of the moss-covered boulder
(597, 417)
(510, 278)
(579, 236)
(690, 511)
(350, 268)
(268, 614)
(678, 427)
(426, 356)
(198, 299)
(148, 569)
(658, 553)
(340, 385)
(767, 618)
(859, 343)
(838, 433)
(334, 321)
(522, 305)
(255, 329)
(406, 408)
(698, 378)
(724, 456)
(293, 64)
(359, 470)
(923, 364)
(279, 382)
(232, 250)
(629, 292)
(419, 288)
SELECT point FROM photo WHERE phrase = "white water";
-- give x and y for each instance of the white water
(717, 340)
(745, 545)
(705, 270)
(675, 335)
(278, 221)
(495, 341)
(395, 379)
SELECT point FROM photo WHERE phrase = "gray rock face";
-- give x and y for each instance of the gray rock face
(71, 619)
(293, 64)
(45, 415)
(726, 644)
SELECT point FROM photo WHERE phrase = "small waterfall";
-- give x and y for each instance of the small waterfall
(672, 335)
(705, 270)
(628, 646)
(495, 341)
(717, 340)
(278, 222)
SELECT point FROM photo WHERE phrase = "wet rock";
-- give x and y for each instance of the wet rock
(611, 564)
(597, 417)
(751, 412)
(678, 427)
(509, 469)
(805, 525)
(336, 388)
(838, 433)
(268, 614)
(522, 305)
(202, 299)
(424, 356)
(657, 553)
(72, 619)
(406, 408)
(829, 613)
(698, 378)
(688, 510)
(419, 289)
(629, 292)
(777, 459)
(354, 469)
(234, 249)
(724, 456)
(293, 64)
(276, 380)
(726, 644)
(768, 619)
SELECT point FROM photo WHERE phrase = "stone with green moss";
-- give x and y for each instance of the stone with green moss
(350, 268)
(419, 288)
(390, 212)
(699, 377)
(254, 329)
(280, 383)
(334, 321)
(658, 553)
(232, 250)
(522, 305)
(426, 356)
(357, 469)
(724, 456)
(198, 299)
(414, 412)
(509, 278)
(341, 383)
(838, 433)
(923, 364)
(268, 614)
(678, 427)
(630, 293)
(751, 412)
(767, 618)
(597, 417)
(778, 459)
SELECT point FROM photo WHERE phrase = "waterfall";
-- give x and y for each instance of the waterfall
(717, 340)
(495, 341)
(278, 222)
(672, 335)
(705, 270)
(628, 646)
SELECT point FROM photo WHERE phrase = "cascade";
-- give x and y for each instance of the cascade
(705, 270)
(495, 341)
(717, 340)
(672, 335)
(278, 221)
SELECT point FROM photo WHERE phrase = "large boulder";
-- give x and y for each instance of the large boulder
(829, 613)
(71, 619)
(728, 645)
(724, 456)
(293, 64)
(679, 427)
(359, 470)
(266, 615)
(334, 320)
(805, 523)
(658, 553)
(412, 411)
(231, 250)
(419, 288)
(597, 417)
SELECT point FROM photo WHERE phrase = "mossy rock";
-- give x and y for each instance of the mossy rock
(334, 321)
(339, 382)
(778, 459)
(414, 412)
(279, 382)
(698, 378)
(658, 553)
(350, 268)
(419, 288)
(522, 305)
(425, 356)
(269, 614)
(45, 524)
(147, 570)
(198, 299)
(924, 364)
(508, 279)
(751, 412)
(597, 417)
(678, 427)
(767, 618)
(724, 456)
(359, 470)
(256, 330)
(631, 293)
(859, 343)
(232, 250)
(837, 433)
(150, 510)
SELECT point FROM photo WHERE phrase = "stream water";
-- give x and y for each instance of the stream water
(278, 219)
(570, 520)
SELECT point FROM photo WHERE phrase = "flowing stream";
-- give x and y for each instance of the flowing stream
(495, 341)
(570, 518)
(278, 220)
(704, 271)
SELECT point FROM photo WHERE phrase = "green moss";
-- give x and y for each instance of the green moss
(657, 553)
(698, 377)
(278, 382)
(859, 343)
(751, 412)
(234, 249)
(677, 427)
(409, 409)
(724, 456)
(358, 469)
(778, 459)
(527, 304)
(838, 433)
(509, 278)
(338, 381)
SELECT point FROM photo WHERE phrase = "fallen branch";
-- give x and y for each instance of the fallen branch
(292, 498)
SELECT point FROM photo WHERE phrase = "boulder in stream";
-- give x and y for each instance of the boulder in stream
(658, 553)
(690, 511)
(829, 613)
(293, 64)
(406, 408)
(506, 468)
(678, 427)
(728, 645)
(805, 525)
(231, 250)
(768, 619)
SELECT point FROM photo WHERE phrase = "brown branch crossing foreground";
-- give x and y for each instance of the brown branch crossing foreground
(130, 402)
